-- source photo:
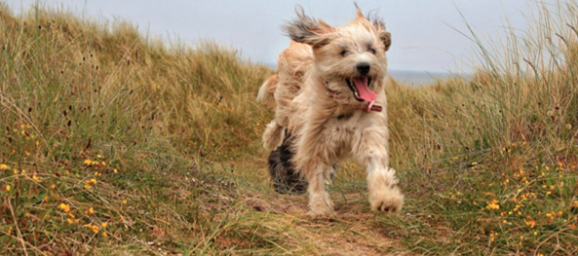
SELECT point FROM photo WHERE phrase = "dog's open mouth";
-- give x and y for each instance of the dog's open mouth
(360, 88)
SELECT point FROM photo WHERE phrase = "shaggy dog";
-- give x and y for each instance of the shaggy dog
(331, 104)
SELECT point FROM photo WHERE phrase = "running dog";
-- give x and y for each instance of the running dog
(331, 104)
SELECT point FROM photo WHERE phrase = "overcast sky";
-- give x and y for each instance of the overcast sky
(422, 35)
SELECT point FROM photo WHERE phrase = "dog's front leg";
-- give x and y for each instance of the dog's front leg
(372, 153)
(319, 201)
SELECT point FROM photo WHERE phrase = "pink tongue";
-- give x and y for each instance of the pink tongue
(364, 92)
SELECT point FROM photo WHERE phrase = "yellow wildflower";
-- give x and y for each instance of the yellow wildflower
(52, 186)
(493, 205)
(69, 221)
(64, 207)
(90, 210)
(87, 162)
(35, 178)
(88, 184)
(104, 234)
(115, 170)
(7, 187)
(4, 167)
(104, 224)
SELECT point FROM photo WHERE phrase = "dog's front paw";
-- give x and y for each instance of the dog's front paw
(320, 212)
(320, 206)
(386, 199)
(320, 209)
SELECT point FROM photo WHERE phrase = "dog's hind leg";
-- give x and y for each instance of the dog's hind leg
(284, 177)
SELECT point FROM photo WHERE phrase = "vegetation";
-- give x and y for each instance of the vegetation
(113, 143)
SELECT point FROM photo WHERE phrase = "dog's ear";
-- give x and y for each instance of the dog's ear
(378, 25)
(308, 30)
(384, 36)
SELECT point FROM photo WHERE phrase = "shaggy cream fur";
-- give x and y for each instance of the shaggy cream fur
(325, 78)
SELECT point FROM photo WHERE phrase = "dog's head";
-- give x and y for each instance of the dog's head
(350, 59)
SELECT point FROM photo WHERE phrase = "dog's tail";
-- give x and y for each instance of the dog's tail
(273, 135)
(267, 89)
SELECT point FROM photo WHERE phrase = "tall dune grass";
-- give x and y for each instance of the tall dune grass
(495, 156)
(100, 125)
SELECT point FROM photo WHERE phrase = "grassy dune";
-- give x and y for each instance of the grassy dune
(114, 144)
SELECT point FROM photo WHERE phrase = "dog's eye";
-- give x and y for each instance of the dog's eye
(343, 53)
(372, 50)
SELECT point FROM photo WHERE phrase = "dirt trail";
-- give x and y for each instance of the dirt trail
(348, 232)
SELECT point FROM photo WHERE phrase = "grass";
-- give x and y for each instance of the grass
(114, 144)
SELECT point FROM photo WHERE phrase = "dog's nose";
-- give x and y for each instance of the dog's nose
(363, 68)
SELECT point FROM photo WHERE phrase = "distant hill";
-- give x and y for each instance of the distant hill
(414, 78)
